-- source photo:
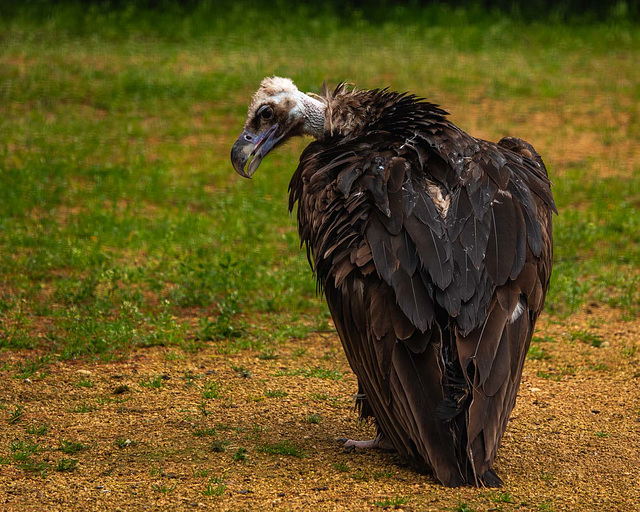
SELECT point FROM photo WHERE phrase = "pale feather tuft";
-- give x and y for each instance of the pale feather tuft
(272, 88)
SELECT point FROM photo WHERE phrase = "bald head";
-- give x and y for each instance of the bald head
(277, 112)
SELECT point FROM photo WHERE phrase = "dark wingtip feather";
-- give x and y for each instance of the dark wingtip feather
(491, 479)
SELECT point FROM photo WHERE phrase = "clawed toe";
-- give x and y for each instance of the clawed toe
(349, 445)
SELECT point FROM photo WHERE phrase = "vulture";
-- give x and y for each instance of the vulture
(434, 252)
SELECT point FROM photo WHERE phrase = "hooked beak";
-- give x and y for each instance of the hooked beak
(251, 149)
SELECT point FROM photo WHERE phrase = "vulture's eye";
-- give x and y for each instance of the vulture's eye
(266, 112)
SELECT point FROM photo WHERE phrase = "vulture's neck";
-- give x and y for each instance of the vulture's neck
(313, 113)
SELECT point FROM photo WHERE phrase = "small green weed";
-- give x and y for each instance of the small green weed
(282, 448)
(38, 430)
(215, 487)
(205, 432)
(211, 390)
(156, 471)
(240, 455)
(35, 467)
(595, 340)
(556, 375)
(394, 502)
(537, 353)
(546, 506)
(203, 409)
(70, 447)
(155, 382)
(172, 355)
(256, 428)
(85, 383)
(123, 442)
(83, 408)
(163, 488)
(546, 476)
(316, 372)
(268, 354)
(314, 418)
(299, 352)
(275, 393)
(359, 476)
(66, 465)
(103, 400)
(16, 415)
(29, 367)
(502, 497)
(22, 450)
(342, 467)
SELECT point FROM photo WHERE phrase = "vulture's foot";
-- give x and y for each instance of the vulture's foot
(380, 442)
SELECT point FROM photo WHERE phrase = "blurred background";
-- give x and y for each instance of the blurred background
(122, 223)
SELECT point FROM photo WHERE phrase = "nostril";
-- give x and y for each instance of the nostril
(248, 137)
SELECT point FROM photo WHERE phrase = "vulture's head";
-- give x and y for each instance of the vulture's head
(278, 111)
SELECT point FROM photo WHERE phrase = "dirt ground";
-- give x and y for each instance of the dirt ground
(171, 430)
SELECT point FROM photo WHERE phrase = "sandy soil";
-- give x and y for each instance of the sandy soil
(573, 442)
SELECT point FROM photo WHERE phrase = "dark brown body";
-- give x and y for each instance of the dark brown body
(434, 251)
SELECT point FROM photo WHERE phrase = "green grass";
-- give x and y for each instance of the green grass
(22, 450)
(163, 488)
(595, 340)
(537, 353)
(204, 432)
(211, 390)
(15, 415)
(342, 467)
(314, 418)
(71, 447)
(123, 442)
(275, 393)
(282, 448)
(502, 497)
(316, 372)
(83, 408)
(121, 215)
(214, 489)
(85, 383)
(155, 382)
(240, 454)
(66, 465)
(394, 502)
(38, 430)
(462, 507)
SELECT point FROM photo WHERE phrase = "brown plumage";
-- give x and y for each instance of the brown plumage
(434, 251)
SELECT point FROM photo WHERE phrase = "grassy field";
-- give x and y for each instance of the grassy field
(123, 225)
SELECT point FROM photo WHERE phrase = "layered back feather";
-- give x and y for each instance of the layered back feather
(434, 251)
